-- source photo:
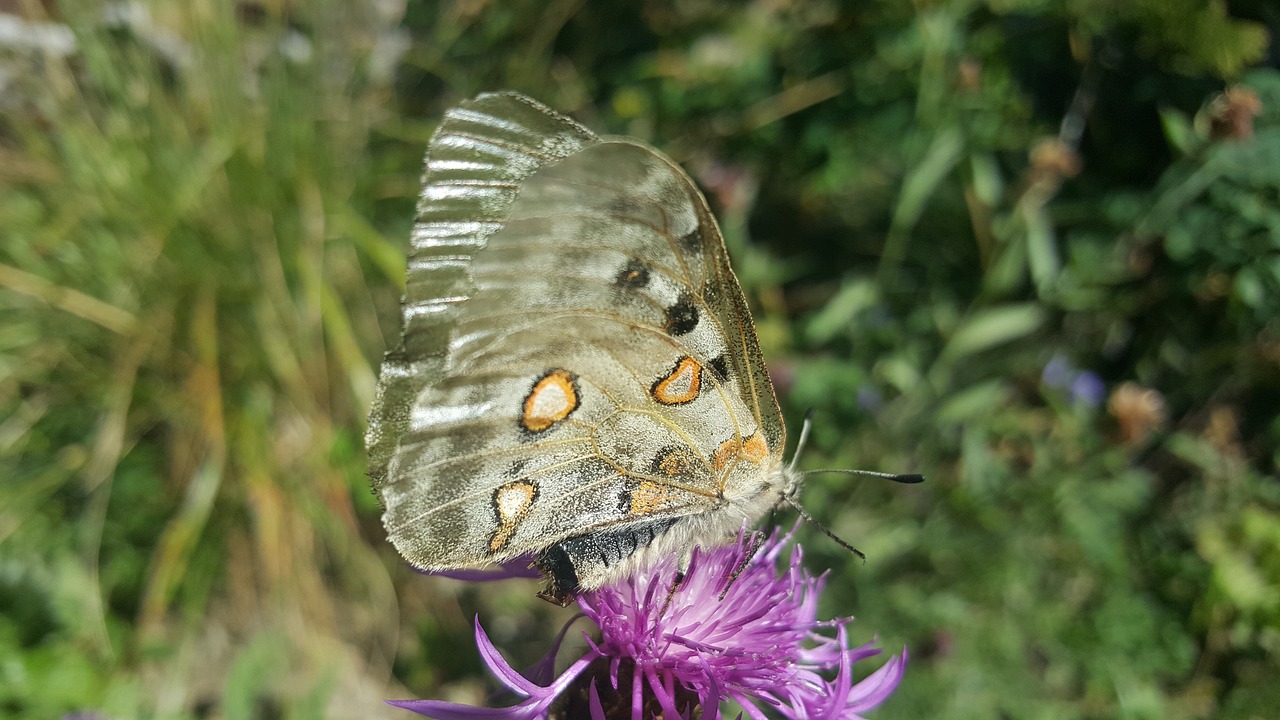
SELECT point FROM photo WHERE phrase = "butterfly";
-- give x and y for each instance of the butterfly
(578, 378)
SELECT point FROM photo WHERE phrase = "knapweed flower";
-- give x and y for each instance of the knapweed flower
(734, 630)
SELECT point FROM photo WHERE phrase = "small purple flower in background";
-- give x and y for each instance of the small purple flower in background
(1087, 388)
(869, 399)
(761, 644)
(1081, 386)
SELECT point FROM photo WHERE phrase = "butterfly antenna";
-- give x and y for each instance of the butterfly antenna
(804, 515)
(804, 438)
(908, 478)
(904, 478)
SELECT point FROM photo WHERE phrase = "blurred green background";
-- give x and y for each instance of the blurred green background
(1029, 248)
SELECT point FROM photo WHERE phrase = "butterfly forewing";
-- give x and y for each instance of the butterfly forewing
(577, 354)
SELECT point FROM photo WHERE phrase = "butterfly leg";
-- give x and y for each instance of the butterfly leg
(557, 597)
(754, 542)
(675, 586)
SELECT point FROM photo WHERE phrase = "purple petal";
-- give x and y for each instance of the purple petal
(711, 701)
(842, 683)
(540, 698)
(750, 707)
(441, 710)
(665, 699)
(499, 667)
(637, 698)
(877, 686)
(544, 670)
(596, 708)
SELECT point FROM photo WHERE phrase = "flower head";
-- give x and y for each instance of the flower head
(733, 629)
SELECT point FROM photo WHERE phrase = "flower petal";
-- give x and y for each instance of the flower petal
(637, 698)
(539, 698)
(441, 710)
(877, 686)
(710, 701)
(543, 671)
(595, 706)
(665, 700)
(499, 667)
(750, 707)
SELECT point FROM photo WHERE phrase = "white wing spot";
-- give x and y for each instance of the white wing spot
(552, 398)
(514, 499)
(511, 503)
(681, 385)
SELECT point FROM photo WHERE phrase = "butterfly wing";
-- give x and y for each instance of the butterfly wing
(476, 162)
(577, 355)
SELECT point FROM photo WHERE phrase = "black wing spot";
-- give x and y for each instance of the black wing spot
(692, 240)
(633, 276)
(682, 317)
(720, 367)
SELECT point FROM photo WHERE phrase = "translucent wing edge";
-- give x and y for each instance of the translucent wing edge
(475, 162)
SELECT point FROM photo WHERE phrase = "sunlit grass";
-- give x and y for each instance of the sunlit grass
(187, 353)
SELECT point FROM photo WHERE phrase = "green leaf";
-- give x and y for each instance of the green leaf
(991, 327)
(1178, 130)
(840, 311)
(975, 401)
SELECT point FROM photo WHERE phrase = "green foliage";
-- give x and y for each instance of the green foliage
(204, 214)
(1187, 36)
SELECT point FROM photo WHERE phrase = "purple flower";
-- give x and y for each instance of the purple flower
(1081, 386)
(754, 639)
(1057, 372)
(1087, 388)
